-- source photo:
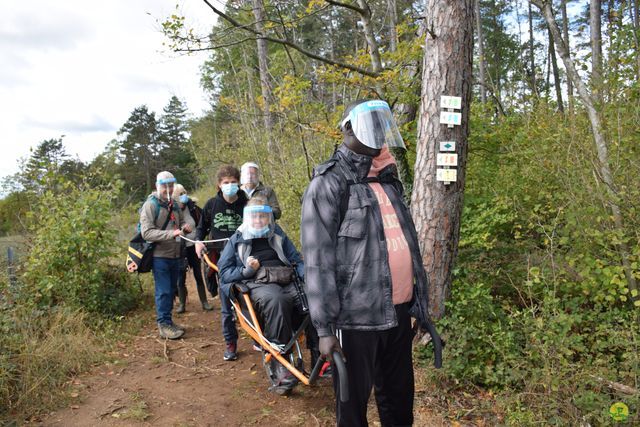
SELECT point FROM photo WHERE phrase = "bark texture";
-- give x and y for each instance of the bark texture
(436, 208)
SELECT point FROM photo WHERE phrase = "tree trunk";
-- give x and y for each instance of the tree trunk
(636, 38)
(556, 73)
(565, 30)
(447, 70)
(393, 23)
(369, 36)
(480, 36)
(263, 66)
(595, 31)
(598, 135)
(404, 113)
(532, 57)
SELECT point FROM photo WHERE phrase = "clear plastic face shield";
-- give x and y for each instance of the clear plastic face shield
(373, 124)
(257, 222)
(249, 174)
(164, 187)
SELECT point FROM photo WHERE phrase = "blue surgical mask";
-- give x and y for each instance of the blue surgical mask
(184, 199)
(229, 189)
(259, 232)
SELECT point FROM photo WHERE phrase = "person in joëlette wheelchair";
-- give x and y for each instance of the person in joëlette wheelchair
(261, 261)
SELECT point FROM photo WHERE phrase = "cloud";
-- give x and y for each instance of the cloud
(57, 29)
(93, 124)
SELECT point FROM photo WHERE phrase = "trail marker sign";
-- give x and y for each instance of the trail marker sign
(446, 159)
(451, 102)
(447, 175)
(449, 118)
(447, 146)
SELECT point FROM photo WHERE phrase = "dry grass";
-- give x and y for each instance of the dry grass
(39, 352)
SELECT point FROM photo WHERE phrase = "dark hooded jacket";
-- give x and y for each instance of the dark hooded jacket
(233, 259)
(346, 260)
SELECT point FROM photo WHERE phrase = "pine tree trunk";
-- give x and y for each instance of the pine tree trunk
(595, 31)
(393, 23)
(263, 66)
(636, 37)
(598, 135)
(556, 73)
(447, 70)
(480, 36)
(403, 112)
(565, 31)
(369, 36)
(532, 58)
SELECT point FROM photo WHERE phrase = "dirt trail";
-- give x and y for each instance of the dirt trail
(186, 383)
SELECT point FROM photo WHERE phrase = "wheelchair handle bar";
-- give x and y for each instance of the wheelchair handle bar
(341, 367)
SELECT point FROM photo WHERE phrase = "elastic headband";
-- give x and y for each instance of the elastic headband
(258, 208)
(165, 181)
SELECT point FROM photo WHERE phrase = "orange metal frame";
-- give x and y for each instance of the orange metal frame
(253, 329)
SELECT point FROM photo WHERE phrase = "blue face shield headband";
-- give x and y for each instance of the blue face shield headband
(166, 181)
(258, 208)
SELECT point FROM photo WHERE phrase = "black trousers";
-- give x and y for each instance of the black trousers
(194, 262)
(279, 311)
(380, 360)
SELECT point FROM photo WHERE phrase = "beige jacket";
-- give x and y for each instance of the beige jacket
(166, 245)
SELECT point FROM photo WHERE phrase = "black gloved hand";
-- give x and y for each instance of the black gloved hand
(328, 345)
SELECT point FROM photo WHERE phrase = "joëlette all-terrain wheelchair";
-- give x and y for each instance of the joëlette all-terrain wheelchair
(290, 355)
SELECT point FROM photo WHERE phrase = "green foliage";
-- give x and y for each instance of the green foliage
(540, 309)
(72, 248)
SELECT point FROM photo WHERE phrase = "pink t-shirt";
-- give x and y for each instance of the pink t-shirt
(400, 262)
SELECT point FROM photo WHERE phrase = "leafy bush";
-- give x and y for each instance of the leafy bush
(74, 246)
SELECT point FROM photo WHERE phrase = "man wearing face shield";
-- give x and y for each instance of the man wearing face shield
(159, 209)
(251, 186)
(363, 268)
(261, 255)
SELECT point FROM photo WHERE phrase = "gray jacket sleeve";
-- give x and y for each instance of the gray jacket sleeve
(151, 232)
(319, 230)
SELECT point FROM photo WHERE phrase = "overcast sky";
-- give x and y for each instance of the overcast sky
(78, 68)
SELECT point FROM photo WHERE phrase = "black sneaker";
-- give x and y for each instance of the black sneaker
(230, 353)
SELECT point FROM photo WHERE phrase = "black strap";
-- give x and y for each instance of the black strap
(168, 215)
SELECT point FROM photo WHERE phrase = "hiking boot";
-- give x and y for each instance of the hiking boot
(182, 298)
(206, 306)
(182, 328)
(169, 331)
(285, 381)
(230, 353)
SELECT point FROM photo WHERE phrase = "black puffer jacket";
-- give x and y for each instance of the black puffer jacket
(346, 261)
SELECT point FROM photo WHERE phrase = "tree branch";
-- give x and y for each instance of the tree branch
(220, 46)
(291, 44)
(347, 6)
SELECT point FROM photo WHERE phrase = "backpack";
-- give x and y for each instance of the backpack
(140, 252)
